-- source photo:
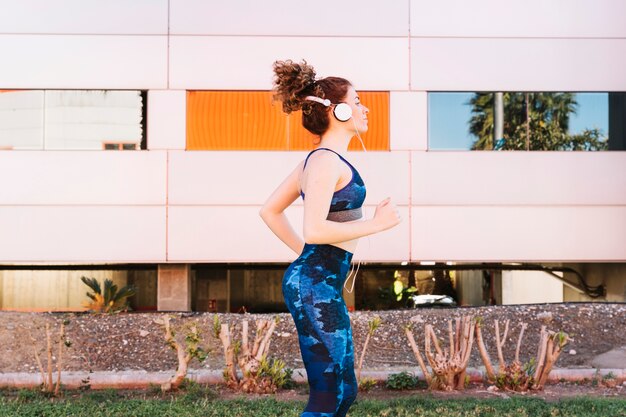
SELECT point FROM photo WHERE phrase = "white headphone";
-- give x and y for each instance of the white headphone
(341, 111)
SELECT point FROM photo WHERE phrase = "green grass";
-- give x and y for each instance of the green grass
(203, 403)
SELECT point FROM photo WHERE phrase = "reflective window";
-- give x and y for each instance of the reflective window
(526, 121)
(71, 119)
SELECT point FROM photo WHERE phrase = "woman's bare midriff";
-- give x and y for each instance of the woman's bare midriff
(348, 245)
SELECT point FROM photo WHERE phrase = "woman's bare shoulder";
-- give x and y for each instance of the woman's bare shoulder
(322, 159)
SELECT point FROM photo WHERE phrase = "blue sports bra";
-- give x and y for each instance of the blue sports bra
(350, 197)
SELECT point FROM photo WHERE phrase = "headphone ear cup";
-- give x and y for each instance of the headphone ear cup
(342, 112)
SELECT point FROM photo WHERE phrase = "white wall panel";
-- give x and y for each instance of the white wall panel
(82, 234)
(238, 234)
(520, 287)
(84, 16)
(519, 178)
(167, 119)
(491, 233)
(292, 18)
(216, 62)
(226, 234)
(225, 178)
(391, 245)
(439, 64)
(91, 62)
(87, 177)
(530, 18)
(408, 120)
(386, 174)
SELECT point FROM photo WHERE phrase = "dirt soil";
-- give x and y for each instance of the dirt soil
(134, 341)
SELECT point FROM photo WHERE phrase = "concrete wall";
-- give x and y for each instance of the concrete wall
(166, 205)
(37, 290)
(523, 287)
(611, 275)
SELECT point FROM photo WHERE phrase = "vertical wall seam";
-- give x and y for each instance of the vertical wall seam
(167, 204)
(168, 45)
(409, 46)
(410, 152)
(410, 205)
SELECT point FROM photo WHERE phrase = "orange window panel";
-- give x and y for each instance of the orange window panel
(247, 120)
(234, 120)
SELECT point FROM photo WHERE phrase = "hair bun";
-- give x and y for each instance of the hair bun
(293, 82)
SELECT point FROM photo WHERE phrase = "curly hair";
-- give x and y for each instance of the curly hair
(293, 82)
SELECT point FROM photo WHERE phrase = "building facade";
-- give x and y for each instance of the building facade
(171, 208)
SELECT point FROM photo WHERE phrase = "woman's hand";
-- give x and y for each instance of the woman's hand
(386, 215)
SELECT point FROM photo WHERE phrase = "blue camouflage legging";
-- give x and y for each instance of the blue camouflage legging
(312, 287)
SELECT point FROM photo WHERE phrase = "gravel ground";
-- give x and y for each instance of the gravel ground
(133, 341)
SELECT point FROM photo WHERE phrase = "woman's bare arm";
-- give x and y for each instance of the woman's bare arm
(323, 174)
(273, 211)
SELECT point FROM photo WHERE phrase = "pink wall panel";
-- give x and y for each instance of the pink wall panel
(84, 61)
(529, 18)
(139, 17)
(517, 178)
(227, 178)
(231, 178)
(167, 119)
(286, 17)
(392, 245)
(82, 234)
(238, 234)
(488, 233)
(408, 123)
(510, 64)
(82, 177)
(386, 174)
(370, 63)
(226, 234)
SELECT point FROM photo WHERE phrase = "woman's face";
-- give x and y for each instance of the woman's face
(359, 111)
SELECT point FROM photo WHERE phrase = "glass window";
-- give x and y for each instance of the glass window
(71, 119)
(525, 121)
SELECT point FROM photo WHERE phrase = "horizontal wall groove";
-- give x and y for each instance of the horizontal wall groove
(70, 205)
(104, 263)
(280, 36)
(81, 34)
(300, 204)
(531, 205)
(520, 37)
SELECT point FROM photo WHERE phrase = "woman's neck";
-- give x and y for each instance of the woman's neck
(336, 140)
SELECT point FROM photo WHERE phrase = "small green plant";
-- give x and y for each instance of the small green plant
(402, 381)
(366, 384)
(289, 382)
(276, 372)
(610, 375)
(217, 326)
(108, 299)
(194, 391)
(609, 380)
(154, 389)
(28, 395)
(107, 395)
